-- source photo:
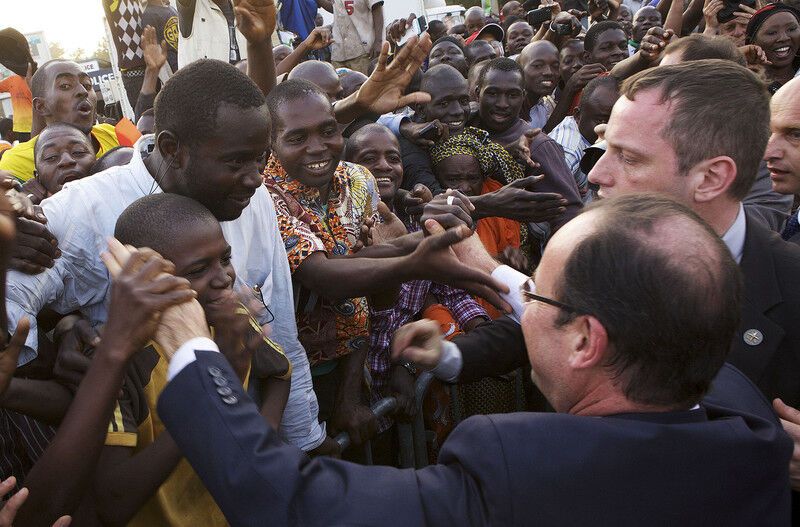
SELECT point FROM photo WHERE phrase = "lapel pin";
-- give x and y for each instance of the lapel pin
(753, 337)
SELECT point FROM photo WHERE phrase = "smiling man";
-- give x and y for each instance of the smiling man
(322, 204)
(62, 93)
(212, 129)
(540, 66)
(605, 44)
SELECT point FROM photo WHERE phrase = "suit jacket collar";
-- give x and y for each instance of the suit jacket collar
(679, 417)
(761, 287)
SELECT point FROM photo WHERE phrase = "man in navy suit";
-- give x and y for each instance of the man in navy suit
(624, 335)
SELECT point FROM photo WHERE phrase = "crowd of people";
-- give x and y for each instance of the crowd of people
(578, 217)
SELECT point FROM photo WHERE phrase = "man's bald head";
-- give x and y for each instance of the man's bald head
(281, 52)
(320, 73)
(351, 81)
(474, 20)
(783, 149)
(512, 8)
(440, 77)
(367, 132)
(676, 293)
(536, 49)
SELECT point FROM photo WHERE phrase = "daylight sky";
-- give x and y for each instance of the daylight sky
(72, 23)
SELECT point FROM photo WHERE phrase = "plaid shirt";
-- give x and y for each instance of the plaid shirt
(410, 303)
(572, 141)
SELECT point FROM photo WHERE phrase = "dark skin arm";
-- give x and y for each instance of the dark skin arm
(59, 480)
(46, 401)
(377, 27)
(576, 83)
(350, 413)
(275, 393)
(674, 18)
(692, 17)
(256, 21)
(125, 481)
(317, 39)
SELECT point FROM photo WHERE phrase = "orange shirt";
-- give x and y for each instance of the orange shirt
(496, 234)
(21, 102)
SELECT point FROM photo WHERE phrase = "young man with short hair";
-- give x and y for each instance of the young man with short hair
(208, 145)
(62, 93)
(576, 132)
(322, 205)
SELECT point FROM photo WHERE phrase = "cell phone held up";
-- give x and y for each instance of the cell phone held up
(537, 17)
(429, 132)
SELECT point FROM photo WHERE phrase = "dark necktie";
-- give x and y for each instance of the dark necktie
(792, 227)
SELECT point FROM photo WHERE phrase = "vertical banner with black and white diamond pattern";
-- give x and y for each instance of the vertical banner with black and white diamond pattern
(125, 22)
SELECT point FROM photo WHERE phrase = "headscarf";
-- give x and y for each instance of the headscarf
(762, 15)
(495, 161)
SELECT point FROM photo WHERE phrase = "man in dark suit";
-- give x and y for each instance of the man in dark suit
(783, 150)
(671, 132)
(632, 442)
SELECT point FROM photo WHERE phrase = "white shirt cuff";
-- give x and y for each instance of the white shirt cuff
(514, 280)
(185, 354)
(449, 367)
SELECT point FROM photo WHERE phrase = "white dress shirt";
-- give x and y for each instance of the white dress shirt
(735, 235)
(84, 214)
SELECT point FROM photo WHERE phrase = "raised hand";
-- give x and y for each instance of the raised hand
(654, 42)
(450, 209)
(518, 201)
(754, 55)
(710, 11)
(581, 78)
(418, 133)
(319, 38)
(521, 150)
(383, 91)
(255, 19)
(155, 54)
(231, 323)
(389, 229)
(414, 202)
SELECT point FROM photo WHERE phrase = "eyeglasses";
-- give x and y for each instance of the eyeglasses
(527, 290)
(260, 296)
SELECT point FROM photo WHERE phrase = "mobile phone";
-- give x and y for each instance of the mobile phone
(561, 29)
(413, 31)
(537, 17)
(429, 132)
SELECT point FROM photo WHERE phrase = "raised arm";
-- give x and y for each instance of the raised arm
(60, 478)
(384, 90)
(319, 38)
(256, 20)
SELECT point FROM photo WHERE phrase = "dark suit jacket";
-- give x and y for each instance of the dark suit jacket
(711, 465)
(771, 305)
(771, 270)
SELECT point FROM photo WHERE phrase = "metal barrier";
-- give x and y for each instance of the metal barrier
(413, 445)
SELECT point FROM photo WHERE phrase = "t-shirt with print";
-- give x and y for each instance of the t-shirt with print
(327, 328)
(353, 33)
(182, 500)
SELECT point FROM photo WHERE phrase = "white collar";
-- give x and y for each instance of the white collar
(734, 238)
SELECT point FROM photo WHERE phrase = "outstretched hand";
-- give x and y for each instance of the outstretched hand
(655, 42)
(155, 54)
(255, 19)
(434, 259)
